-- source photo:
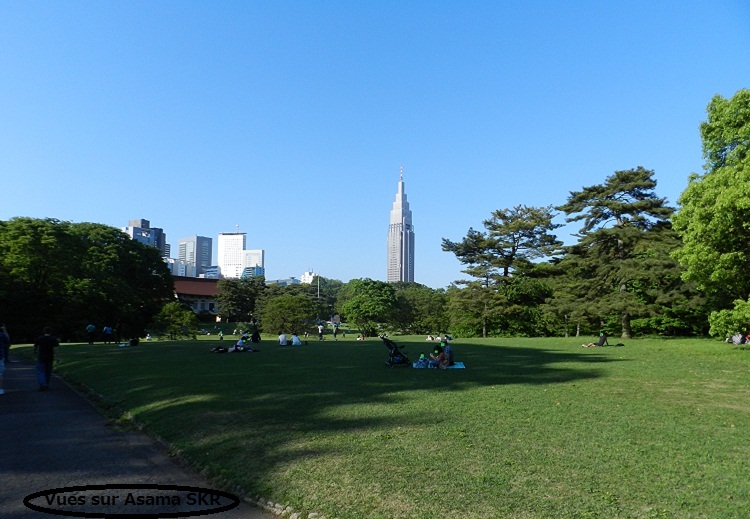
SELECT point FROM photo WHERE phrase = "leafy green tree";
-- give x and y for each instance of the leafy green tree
(126, 282)
(68, 275)
(175, 321)
(497, 259)
(715, 207)
(368, 304)
(325, 291)
(237, 298)
(622, 219)
(480, 301)
(725, 323)
(287, 313)
(563, 309)
(420, 309)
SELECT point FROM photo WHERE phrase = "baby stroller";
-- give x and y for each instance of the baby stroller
(396, 357)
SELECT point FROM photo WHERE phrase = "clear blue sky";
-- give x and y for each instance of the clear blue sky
(292, 119)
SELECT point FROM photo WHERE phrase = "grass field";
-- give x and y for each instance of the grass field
(532, 428)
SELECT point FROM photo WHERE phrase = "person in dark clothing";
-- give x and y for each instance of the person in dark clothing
(5, 343)
(4, 349)
(44, 347)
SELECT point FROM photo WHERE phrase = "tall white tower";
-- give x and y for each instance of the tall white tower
(400, 238)
(229, 252)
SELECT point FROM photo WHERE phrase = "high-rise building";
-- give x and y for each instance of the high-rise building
(197, 251)
(230, 253)
(141, 231)
(400, 238)
(253, 263)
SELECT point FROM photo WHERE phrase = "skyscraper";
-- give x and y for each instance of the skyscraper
(230, 252)
(401, 238)
(253, 263)
(141, 231)
(196, 251)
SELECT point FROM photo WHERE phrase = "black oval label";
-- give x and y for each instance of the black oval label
(136, 501)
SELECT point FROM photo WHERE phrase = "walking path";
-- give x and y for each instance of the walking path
(55, 438)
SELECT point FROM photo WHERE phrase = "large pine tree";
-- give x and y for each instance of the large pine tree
(499, 294)
(619, 256)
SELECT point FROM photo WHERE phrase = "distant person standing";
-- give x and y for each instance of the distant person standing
(335, 332)
(91, 333)
(44, 347)
(4, 349)
(320, 332)
(5, 344)
(107, 333)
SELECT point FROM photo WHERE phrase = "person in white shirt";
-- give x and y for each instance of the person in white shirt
(295, 340)
(282, 339)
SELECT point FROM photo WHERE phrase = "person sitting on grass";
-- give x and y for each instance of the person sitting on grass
(238, 347)
(295, 340)
(439, 359)
(448, 349)
(602, 341)
(282, 339)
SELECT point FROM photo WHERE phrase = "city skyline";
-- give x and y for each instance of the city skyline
(290, 118)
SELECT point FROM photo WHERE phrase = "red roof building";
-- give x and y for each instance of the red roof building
(198, 293)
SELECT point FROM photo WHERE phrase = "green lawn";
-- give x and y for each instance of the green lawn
(532, 427)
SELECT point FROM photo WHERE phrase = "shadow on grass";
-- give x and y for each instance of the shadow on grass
(246, 419)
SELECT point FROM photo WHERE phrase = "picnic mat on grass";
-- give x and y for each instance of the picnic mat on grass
(457, 365)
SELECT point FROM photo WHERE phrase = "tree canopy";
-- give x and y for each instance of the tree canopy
(714, 218)
(368, 304)
(237, 298)
(68, 275)
(622, 219)
(289, 313)
(499, 260)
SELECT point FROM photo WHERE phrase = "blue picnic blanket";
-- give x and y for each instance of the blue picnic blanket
(457, 365)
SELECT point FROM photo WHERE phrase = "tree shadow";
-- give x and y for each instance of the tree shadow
(251, 413)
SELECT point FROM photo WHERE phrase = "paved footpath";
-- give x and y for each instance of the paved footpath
(52, 439)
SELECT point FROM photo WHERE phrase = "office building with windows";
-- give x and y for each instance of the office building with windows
(196, 251)
(230, 249)
(142, 232)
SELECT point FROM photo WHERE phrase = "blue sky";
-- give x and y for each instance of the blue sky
(292, 119)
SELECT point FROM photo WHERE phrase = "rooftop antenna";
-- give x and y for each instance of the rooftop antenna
(238, 228)
(402, 173)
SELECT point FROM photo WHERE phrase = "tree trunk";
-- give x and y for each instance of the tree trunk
(626, 331)
(484, 322)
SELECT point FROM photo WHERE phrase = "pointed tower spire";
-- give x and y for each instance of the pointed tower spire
(400, 265)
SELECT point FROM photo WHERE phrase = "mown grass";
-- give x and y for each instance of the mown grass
(532, 427)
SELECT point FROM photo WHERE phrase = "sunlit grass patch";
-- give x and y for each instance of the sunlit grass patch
(532, 427)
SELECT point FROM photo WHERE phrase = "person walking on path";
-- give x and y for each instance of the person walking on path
(44, 347)
(4, 349)
(91, 332)
(320, 332)
(107, 334)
